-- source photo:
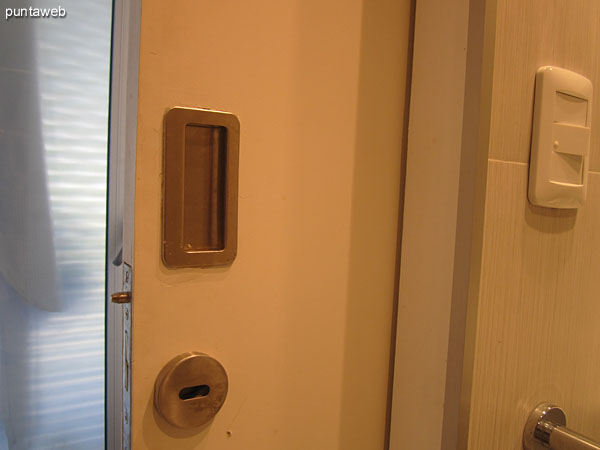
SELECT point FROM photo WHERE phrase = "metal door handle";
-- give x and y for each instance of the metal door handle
(546, 429)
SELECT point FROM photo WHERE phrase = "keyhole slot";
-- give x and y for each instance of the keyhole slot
(202, 390)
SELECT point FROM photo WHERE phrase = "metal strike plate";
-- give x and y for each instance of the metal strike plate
(190, 390)
(200, 189)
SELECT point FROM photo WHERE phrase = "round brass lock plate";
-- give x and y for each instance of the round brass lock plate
(190, 390)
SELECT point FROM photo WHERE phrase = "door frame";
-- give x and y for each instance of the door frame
(121, 184)
(449, 120)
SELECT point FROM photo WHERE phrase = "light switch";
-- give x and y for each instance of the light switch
(560, 143)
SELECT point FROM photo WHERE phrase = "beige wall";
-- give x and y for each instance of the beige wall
(536, 337)
(302, 319)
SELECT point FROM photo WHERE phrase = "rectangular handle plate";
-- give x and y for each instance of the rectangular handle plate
(200, 189)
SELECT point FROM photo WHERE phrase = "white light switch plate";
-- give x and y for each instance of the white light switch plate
(560, 144)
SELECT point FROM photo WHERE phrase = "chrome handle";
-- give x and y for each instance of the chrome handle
(546, 429)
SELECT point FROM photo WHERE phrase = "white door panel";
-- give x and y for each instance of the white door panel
(302, 319)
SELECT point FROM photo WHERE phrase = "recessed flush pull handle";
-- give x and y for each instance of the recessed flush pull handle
(546, 429)
(200, 189)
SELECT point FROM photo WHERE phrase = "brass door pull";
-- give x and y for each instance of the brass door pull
(200, 189)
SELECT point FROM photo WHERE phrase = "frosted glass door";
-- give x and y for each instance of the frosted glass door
(54, 91)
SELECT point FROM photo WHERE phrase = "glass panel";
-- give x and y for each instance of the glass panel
(54, 90)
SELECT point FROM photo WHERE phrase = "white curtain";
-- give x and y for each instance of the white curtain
(54, 81)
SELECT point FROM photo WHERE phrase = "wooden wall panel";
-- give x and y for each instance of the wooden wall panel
(536, 337)
(530, 34)
(537, 330)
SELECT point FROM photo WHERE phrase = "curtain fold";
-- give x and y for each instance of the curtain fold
(54, 81)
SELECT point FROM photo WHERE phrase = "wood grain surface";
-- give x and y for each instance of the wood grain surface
(536, 337)
(538, 313)
(531, 34)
